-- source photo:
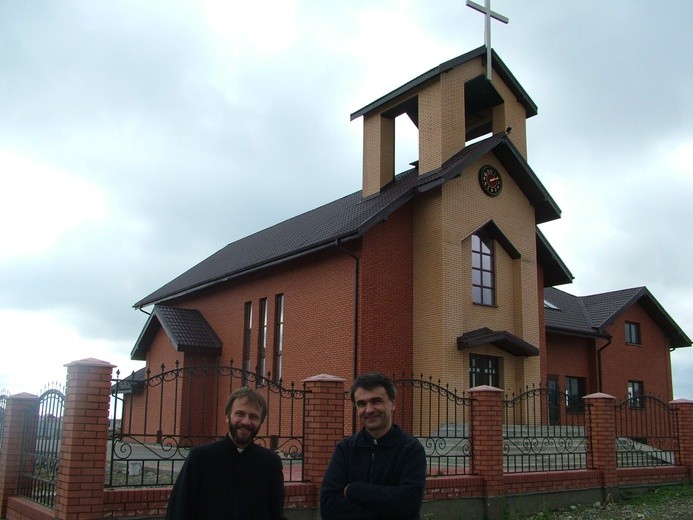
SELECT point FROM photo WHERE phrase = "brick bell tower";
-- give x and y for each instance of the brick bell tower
(450, 105)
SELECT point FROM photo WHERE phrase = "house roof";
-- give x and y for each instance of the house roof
(591, 315)
(411, 86)
(187, 330)
(349, 218)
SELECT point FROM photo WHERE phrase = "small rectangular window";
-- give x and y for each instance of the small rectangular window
(278, 337)
(632, 333)
(262, 339)
(574, 392)
(484, 370)
(247, 334)
(636, 392)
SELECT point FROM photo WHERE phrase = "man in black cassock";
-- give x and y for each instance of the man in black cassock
(234, 478)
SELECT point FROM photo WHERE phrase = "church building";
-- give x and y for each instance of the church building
(440, 270)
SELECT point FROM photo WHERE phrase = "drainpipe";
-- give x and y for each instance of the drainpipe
(356, 317)
(599, 362)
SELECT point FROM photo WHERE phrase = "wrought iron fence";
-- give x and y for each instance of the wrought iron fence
(41, 448)
(158, 417)
(646, 432)
(540, 434)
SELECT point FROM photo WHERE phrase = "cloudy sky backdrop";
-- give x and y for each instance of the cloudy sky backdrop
(137, 138)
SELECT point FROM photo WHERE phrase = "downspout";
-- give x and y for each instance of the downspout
(356, 317)
(599, 362)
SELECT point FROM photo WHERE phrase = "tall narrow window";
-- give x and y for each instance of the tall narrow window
(247, 333)
(574, 392)
(278, 336)
(636, 391)
(262, 339)
(632, 333)
(482, 270)
(483, 370)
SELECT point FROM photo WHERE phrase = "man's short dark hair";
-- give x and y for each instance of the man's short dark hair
(253, 397)
(373, 380)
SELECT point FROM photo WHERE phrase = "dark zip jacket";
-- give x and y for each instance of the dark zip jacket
(386, 478)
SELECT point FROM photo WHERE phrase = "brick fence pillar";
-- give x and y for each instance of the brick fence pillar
(684, 420)
(11, 450)
(600, 435)
(83, 441)
(324, 424)
(487, 445)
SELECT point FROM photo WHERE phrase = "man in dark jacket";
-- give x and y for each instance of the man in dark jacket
(380, 472)
(234, 478)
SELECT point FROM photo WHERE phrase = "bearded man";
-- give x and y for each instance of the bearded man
(233, 478)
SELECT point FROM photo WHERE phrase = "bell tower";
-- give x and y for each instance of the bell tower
(450, 105)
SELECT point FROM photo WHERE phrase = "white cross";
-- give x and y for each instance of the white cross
(488, 14)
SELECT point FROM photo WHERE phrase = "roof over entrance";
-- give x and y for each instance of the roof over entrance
(187, 329)
(498, 338)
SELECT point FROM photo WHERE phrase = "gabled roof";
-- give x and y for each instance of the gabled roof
(591, 315)
(498, 66)
(187, 329)
(349, 218)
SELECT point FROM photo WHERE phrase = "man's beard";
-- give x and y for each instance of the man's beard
(241, 436)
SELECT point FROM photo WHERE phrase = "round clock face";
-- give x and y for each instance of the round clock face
(490, 180)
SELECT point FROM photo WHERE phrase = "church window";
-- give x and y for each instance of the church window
(574, 392)
(262, 338)
(632, 333)
(278, 336)
(484, 370)
(482, 270)
(247, 333)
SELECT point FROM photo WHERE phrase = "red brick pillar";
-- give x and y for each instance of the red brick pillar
(487, 444)
(324, 424)
(684, 420)
(11, 450)
(83, 441)
(600, 435)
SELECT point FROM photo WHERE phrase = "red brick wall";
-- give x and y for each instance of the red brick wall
(648, 362)
(386, 304)
(318, 315)
(571, 356)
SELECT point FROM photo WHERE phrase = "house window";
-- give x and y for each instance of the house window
(482, 270)
(483, 370)
(632, 333)
(636, 392)
(262, 339)
(278, 336)
(574, 392)
(247, 333)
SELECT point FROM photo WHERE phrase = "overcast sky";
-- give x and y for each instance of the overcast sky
(137, 138)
